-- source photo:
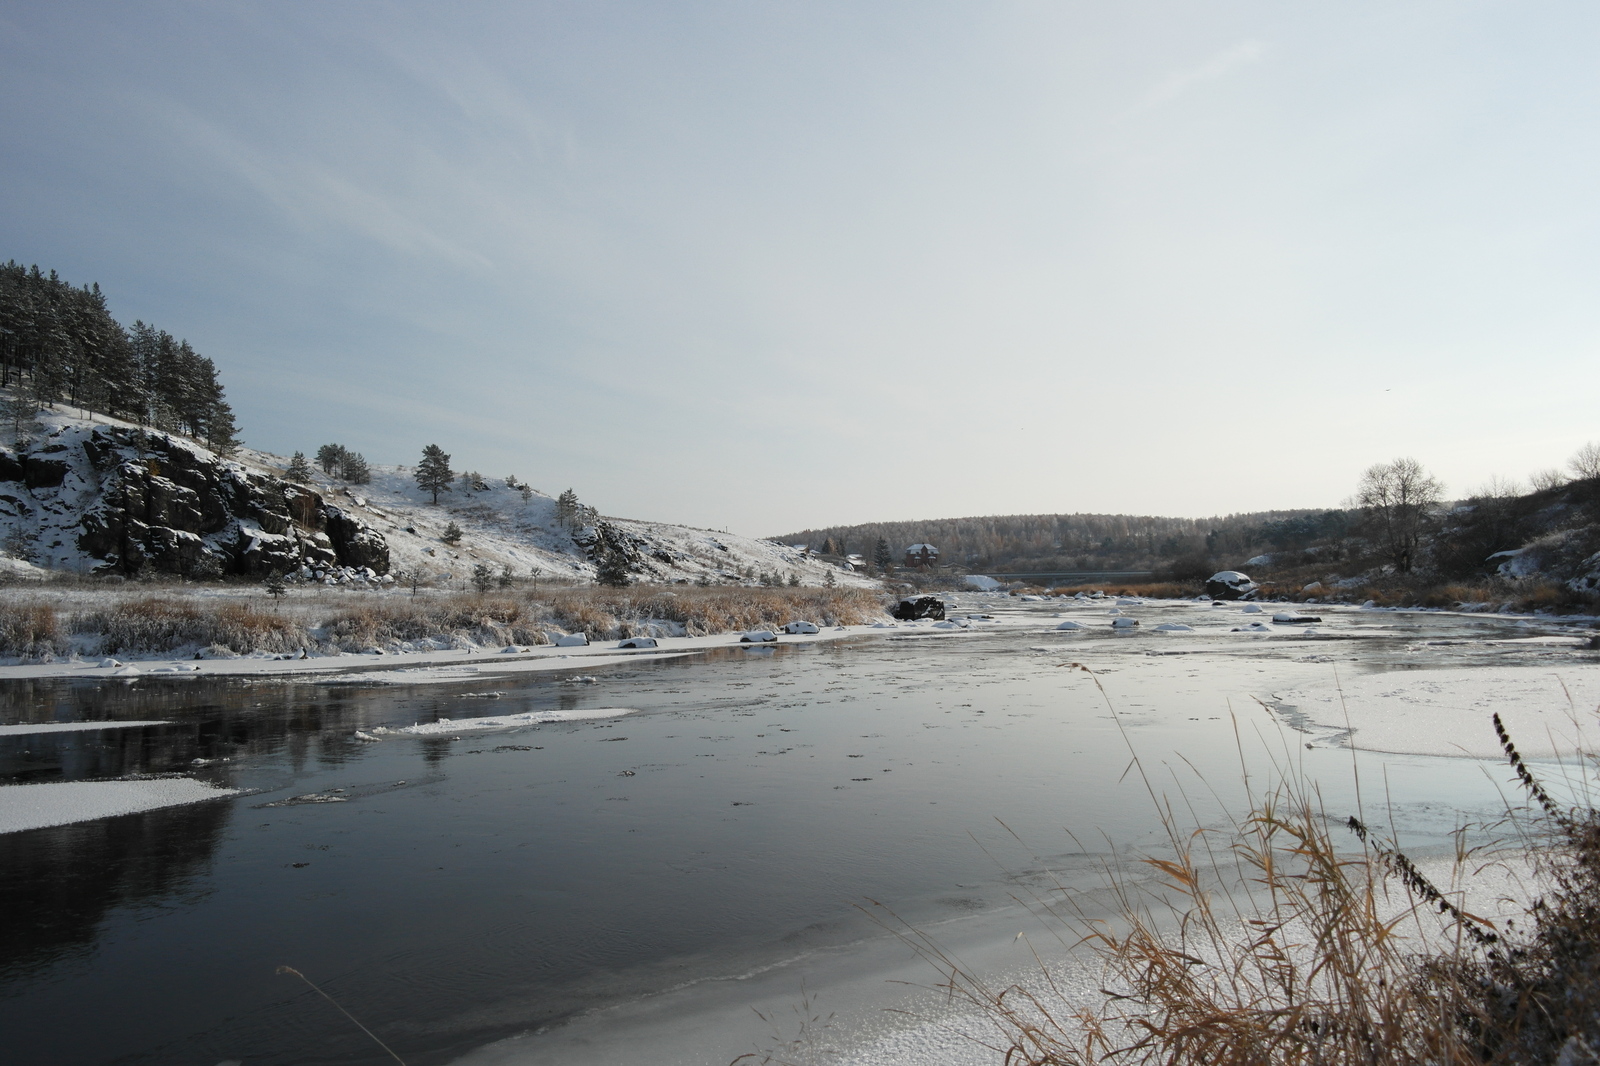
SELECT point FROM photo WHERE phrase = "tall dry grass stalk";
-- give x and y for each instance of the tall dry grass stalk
(165, 623)
(30, 630)
(1281, 940)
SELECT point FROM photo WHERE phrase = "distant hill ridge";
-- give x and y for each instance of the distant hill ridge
(1079, 542)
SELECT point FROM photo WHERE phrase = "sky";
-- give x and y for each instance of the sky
(767, 266)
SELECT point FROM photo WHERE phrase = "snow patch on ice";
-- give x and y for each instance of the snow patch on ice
(71, 727)
(447, 727)
(24, 807)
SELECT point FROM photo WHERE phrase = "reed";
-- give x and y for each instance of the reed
(31, 630)
(164, 623)
(1280, 940)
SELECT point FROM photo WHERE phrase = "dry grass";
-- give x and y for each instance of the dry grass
(30, 630)
(132, 620)
(164, 623)
(1280, 940)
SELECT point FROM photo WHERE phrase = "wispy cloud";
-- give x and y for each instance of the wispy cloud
(1179, 82)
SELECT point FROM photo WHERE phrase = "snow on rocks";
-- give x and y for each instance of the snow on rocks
(1124, 622)
(1172, 627)
(24, 807)
(638, 642)
(1230, 585)
(573, 640)
(1294, 618)
(796, 628)
(1071, 626)
(758, 636)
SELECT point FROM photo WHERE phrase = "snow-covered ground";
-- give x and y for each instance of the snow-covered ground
(501, 526)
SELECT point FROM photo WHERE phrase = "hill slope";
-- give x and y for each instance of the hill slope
(103, 495)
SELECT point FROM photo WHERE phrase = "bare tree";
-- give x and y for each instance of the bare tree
(1399, 498)
(1585, 462)
(1547, 479)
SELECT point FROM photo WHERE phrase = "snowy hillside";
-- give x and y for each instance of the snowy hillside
(500, 528)
(243, 513)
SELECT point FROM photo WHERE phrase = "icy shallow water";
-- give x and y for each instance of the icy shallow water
(612, 889)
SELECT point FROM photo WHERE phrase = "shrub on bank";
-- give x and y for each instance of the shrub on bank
(30, 630)
(164, 624)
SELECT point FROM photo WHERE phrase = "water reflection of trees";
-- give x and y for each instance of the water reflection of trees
(57, 885)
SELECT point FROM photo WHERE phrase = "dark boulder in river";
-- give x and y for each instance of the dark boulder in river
(1230, 585)
(913, 607)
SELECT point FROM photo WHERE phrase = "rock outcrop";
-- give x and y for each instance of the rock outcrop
(117, 499)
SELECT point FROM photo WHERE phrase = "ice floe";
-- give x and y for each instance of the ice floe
(24, 807)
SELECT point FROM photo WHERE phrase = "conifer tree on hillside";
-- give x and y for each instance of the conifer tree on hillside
(298, 469)
(65, 345)
(331, 457)
(433, 473)
(355, 469)
(882, 557)
(567, 508)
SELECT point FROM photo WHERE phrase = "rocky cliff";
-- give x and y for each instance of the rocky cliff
(112, 498)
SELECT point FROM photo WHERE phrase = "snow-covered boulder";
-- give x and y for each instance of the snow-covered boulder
(798, 627)
(980, 582)
(638, 642)
(1124, 622)
(1172, 627)
(914, 607)
(1230, 585)
(758, 636)
(1294, 618)
(1071, 626)
(573, 640)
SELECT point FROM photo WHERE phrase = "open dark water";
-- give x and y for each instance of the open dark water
(470, 889)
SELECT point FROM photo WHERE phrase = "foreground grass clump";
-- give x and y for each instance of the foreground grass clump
(1282, 940)
(163, 623)
(30, 630)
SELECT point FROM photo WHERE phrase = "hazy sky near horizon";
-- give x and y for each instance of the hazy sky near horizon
(767, 265)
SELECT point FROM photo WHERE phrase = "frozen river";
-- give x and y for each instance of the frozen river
(620, 888)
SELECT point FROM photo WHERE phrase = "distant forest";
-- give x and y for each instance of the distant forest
(1054, 543)
(60, 344)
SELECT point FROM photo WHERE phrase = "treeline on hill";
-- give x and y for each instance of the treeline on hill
(1086, 542)
(59, 343)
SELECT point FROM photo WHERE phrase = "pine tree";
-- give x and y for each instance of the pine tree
(882, 557)
(19, 412)
(452, 534)
(433, 473)
(299, 470)
(331, 458)
(355, 469)
(567, 508)
(482, 578)
(527, 493)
